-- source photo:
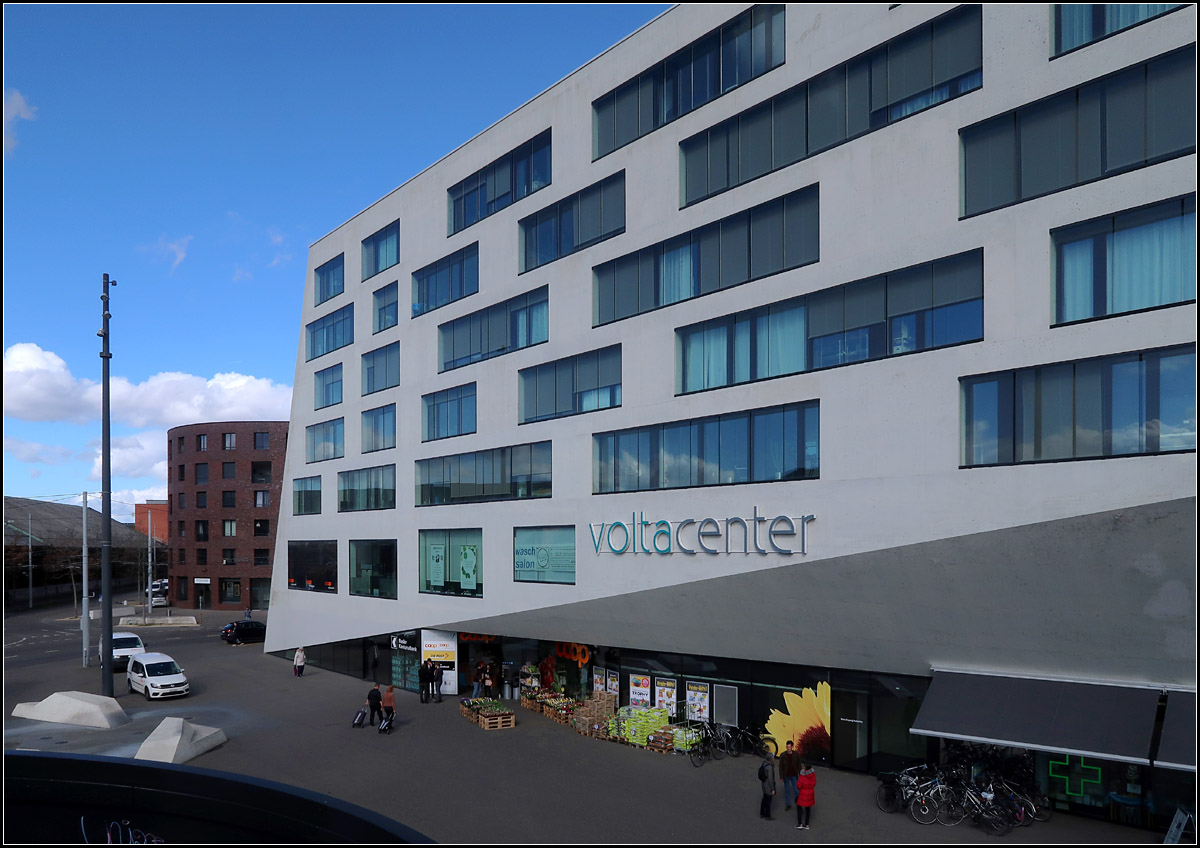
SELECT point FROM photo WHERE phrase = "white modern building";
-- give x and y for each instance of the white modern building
(841, 355)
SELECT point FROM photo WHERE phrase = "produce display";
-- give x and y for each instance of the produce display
(486, 706)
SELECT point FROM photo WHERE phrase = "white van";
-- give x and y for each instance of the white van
(124, 645)
(156, 676)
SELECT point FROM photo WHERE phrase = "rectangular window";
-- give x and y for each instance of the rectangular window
(1123, 405)
(262, 498)
(373, 568)
(448, 413)
(262, 527)
(183, 556)
(306, 496)
(446, 281)
(228, 556)
(381, 250)
(333, 331)
(229, 499)
(754, 446)
(183, 500)
(744, 48)
(1127, 120)
(500, 474)
(381, 369)
(327, 388)
(201, 530)
(379, 428)
(544, 555)
(260, 472)
(228, 470)
(329, 280)
(516, 323)
(229, 441)
(1078, 24)
(581, 220)
(202, 556)
(450, 562)
(775, 236)
(386, 313)
(229, 527)
(262, 441)
(313, 566)
(514, 175)
(935, 62)
(326, 440)
(201, 500)
(262, 556)
(201, 442)
(201, 473)
(367, 489)
(569, 386)
(1134, 260)
(230, 590)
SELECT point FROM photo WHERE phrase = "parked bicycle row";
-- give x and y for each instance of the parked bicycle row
(995, 794)
(712, 741)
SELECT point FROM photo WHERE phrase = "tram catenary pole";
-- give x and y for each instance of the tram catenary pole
(106, 652)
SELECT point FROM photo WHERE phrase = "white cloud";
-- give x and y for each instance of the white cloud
(35, 452)
(16, 107)
(139, 455)
(280, 259)
(173, 249)
(38, 386)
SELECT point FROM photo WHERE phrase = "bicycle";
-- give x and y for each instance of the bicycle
(755, 740)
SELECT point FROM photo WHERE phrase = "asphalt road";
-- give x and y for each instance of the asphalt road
(539, 782)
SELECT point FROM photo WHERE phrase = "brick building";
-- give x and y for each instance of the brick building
(223, 494)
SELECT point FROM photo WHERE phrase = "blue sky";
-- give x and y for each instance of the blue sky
(193, 153)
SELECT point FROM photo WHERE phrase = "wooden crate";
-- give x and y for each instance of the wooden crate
(497, 722)
(531, 704)
(466, 712)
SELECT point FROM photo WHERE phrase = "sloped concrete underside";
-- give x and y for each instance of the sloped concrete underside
(1108, 596)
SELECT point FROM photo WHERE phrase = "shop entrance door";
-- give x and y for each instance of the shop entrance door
(850, 736)
(203, 596)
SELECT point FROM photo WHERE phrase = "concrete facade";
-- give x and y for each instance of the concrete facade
(1080, 569)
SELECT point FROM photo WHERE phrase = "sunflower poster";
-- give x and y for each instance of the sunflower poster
(805, 721)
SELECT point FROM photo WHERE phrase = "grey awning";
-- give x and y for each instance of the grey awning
(1086, 719)
(1177, 747)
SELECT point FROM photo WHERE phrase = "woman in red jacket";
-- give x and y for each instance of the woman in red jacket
(806, 795)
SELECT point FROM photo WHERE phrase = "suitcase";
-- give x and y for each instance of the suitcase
(360, 717)
(385, 724)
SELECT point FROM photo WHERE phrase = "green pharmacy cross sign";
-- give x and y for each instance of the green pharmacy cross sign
(1076, 773)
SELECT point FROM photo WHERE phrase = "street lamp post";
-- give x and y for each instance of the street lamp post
(106, 675)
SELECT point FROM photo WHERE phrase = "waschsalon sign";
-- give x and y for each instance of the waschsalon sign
(756, 535)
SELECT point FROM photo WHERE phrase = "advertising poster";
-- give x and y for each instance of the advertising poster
(437, 565)
(599, 680)
(614, 683)
(442, 647)
(697, 701)
(468, 566)
(664, 694)
(639, 690)
(544, 554)
(805, 719)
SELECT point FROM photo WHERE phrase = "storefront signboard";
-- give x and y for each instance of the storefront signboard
(692, 536)
(544, 554)
(697, 701)
(639, 690)
(442, 647)
(599, 680)
(437, 565)
(664, 694)
(468, 566)
(614, 683)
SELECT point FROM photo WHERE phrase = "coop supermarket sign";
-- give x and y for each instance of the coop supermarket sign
(691, 536)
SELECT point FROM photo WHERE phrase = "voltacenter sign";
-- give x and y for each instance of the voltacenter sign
(701, 536)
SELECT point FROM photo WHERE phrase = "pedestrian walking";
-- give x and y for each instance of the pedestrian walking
(789, 770)
(766, 774)
(298, 662)
(389, 702)
(477, 678)
(806, 795)
(375, 702)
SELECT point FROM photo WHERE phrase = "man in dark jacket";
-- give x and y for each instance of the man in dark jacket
(425, 679)
(375, 702)
(767, 772)
(437, 681)
(789, 770)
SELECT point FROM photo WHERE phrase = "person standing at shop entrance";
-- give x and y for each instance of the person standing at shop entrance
(766, 774)
(477, 679)
(438, 674)
(789, 770)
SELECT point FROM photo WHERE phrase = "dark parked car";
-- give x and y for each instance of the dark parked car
(237, 632)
